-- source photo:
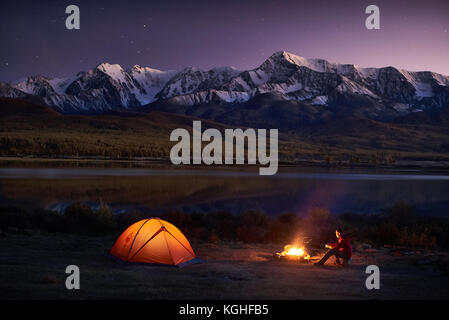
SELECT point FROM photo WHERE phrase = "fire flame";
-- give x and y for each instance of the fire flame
(295, 252)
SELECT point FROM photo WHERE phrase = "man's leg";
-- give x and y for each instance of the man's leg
(340, 255)
(337, 260)
(327, 256)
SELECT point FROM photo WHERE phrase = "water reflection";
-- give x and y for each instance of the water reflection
(156, 190)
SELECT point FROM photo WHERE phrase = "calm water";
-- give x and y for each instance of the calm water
(156, 190)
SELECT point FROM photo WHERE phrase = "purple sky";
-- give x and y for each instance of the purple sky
(174, 34)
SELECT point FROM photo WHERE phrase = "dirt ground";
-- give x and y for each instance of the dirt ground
(32, 266)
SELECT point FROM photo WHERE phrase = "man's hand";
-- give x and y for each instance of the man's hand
(328, 246)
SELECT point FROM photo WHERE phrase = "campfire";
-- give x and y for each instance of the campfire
(293, 253)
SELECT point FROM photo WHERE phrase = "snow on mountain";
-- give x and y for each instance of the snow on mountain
(208, 96)
(192, 80)
(36, 85)
(108, 86)
(320, 100)
(285, 75)
(319, 65)
(115, 71)
(6, 90)
(151, 80)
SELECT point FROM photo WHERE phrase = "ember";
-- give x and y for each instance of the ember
(293, 253)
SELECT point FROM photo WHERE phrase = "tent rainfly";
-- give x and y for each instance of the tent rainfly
(153, 241)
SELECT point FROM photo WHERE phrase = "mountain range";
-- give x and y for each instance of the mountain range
(286, 89)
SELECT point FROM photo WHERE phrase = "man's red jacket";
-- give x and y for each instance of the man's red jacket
(344, 245)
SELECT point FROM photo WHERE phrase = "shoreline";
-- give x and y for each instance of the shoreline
(30, 161)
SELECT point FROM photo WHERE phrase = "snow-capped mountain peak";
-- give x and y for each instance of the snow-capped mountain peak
(115, 71)
(285, 75)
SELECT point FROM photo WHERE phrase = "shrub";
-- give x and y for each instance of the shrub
(80, 218)
(397, 225)
(319, 225)
(283, 228)
(400, 214)
(385, 233)
(252, 227)
(47, 220)
(416, 239)
(14, 217)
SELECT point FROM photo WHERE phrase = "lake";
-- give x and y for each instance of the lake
(293, 190)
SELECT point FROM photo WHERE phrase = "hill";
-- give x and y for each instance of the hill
(29, 129)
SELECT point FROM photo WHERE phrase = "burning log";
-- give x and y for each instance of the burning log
(292, 253)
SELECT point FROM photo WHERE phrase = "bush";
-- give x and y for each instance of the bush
(319, 225)
(252, 227)
(47, 220)
(282, 228)
(385, 233)
(80, 218)
(400, 214)
(397, 225)
(416, 239)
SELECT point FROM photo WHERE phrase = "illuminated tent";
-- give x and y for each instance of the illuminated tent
(153, 241)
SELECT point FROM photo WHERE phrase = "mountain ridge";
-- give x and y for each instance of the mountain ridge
(376, 93)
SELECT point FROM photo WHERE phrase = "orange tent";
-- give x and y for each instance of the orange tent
(153, 241)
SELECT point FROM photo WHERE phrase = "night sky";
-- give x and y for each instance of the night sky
(174, 34)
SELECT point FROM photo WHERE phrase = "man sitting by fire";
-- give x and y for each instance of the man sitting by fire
(341, 249)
